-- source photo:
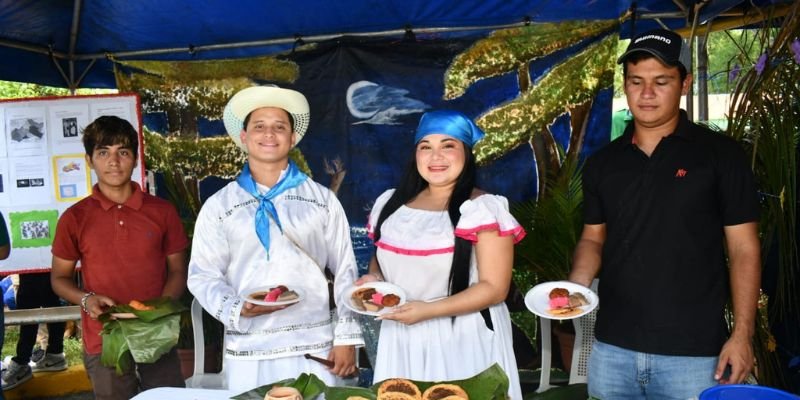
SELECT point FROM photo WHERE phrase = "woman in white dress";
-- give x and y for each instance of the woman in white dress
(450, 247)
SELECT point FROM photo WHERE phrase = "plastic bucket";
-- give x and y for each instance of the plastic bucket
(745, 392)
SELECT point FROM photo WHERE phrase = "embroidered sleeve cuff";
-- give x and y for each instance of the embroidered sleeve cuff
(235, 319)
(348, 332)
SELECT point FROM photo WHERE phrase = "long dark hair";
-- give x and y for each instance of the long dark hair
(411, 185)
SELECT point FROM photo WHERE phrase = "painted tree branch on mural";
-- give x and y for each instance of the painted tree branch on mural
(508, 49)
(571, 83)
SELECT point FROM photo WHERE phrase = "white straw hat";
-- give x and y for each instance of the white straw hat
(252, 98)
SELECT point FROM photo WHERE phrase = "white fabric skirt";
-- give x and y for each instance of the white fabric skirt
(244, 375)
(443, 350)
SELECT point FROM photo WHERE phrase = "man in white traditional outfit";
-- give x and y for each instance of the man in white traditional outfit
(275, 226)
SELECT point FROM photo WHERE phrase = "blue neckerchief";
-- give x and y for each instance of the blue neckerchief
(293, 178)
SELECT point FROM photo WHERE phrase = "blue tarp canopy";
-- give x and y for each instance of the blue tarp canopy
(69, 42)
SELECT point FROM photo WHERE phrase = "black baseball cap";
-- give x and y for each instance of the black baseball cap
(664, 44)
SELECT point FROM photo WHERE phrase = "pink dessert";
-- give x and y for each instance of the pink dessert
(377, 298)
(559, 302)
(273, 295)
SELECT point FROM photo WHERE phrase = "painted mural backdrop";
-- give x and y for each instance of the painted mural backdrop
(521, 85)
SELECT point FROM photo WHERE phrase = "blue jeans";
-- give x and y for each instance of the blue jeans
(617, 373)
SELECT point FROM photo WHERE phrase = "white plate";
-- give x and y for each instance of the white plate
(249, 299)
(538, 298)
(383, 288)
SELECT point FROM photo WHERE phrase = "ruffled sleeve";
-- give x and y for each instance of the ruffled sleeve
(372, 220)
(487, 212)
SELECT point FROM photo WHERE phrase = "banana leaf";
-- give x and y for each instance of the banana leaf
(143, 339)
(309, 385)
(163, 306)
(491, 384)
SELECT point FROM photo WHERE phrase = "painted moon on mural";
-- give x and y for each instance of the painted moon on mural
(380, 104)
(361, 104)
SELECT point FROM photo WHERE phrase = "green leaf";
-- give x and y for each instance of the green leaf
(145, 338)
(491, 384)
(115, 353)
(149, 340)
(163, 306)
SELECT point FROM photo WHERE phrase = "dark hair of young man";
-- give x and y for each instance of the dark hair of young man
(288, 114)
(634, 59)
(411, 185)
(109, 130)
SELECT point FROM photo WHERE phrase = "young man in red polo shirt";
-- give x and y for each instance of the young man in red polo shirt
(131, 245)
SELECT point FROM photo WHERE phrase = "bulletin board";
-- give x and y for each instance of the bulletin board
(43, 168)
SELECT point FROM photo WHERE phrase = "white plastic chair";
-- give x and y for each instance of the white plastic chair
(584, 339)
(200, 378)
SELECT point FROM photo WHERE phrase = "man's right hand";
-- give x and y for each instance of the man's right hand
(254, 310)
(96, 304)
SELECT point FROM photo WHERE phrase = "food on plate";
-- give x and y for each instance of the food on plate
(277, 293)
(564, 304)
(559, 292)
(391, 300)
(445, 391)
(369, 299)
(283, 393)
(577, 300)
(398, 389)
(139, 306)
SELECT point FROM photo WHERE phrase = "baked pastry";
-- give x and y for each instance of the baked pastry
(565, 311)
(563, 304)
(369, 299)
(390, 300)
(444, 391)
(396, 396)
(277, 293)
(392, 387)
(577, 299)
(283, 393)
(288, 295)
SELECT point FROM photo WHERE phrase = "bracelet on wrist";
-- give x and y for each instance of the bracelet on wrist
(377, 276)
(84, 299)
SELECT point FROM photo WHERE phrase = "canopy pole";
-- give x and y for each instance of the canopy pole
(73, 39)
(85, 71)
(702, 75)
(60, 70)
(695, 16)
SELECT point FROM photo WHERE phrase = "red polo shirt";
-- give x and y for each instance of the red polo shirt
(122, 248)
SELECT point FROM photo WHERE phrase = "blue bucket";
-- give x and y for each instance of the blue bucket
(745, 392)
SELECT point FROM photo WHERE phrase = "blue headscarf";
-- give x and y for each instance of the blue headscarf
(450, 123)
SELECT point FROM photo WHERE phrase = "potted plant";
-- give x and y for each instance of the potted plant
(553, 223)
(183, 193)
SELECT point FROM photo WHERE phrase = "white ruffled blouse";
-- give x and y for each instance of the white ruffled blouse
(421, 242)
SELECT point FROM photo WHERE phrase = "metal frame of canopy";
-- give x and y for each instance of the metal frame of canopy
(695, 32)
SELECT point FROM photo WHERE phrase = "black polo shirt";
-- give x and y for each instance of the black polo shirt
(664, 279)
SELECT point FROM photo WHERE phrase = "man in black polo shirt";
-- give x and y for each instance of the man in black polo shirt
(661, 204)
